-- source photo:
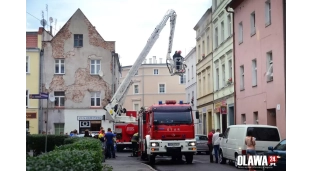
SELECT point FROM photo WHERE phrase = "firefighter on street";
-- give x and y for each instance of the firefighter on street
(134, 140)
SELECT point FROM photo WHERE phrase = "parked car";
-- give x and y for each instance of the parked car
(201, 143)
(233, 140)
(280, 151)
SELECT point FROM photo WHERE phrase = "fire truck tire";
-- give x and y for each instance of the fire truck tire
(151, 159)
(189, 158)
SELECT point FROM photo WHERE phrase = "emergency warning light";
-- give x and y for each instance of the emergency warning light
(171, 102)
(181, 102)
(159, 102)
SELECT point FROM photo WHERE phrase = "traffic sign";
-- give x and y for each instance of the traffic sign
(39, 96)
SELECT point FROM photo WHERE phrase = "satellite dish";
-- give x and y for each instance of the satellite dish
(43, 22)
(51, 97)
(51, 20)
(47, 86)
(101, 73)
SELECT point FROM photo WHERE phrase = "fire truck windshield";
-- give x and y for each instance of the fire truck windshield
(172, 118)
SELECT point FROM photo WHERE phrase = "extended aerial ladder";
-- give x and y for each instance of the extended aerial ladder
(176, 67)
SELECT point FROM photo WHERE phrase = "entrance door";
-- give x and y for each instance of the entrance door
(209, 121)
(224, 122)
(205, 124)
(231, 115)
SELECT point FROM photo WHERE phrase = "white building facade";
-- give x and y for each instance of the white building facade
(223, 65)
(190, 85)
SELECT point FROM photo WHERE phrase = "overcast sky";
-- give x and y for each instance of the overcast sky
(128, 22)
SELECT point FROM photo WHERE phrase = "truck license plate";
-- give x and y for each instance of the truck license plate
(173, 144)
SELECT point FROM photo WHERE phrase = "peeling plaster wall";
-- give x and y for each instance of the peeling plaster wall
(77, 81)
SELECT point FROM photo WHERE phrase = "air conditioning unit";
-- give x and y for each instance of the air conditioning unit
(85, 124)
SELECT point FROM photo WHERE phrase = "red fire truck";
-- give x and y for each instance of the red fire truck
(125, 130)
(167, 130)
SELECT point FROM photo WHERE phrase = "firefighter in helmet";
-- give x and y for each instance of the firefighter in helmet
(134, 140)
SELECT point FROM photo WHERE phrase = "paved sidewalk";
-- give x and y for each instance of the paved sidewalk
(124, 163)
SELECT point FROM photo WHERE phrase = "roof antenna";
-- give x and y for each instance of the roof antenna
(43, 22)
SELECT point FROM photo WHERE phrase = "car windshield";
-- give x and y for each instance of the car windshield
(201, 138)
(281, 146)
(172, 118)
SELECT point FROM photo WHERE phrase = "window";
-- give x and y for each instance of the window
(255, 115)
(269, 73)
(204, 85)
(254, 72)
(192, 72)
(222, 31)
(199, 55)
(252, 24)
(244, 119)
(58, 128)
(229, 25)
(136, 107)
(240, 35)
(172, 117)
(59, 66)
(59, 99)
(188, 74)
(192, 94)
(281, 146)
(199, 87)
(203, 49)
(182, 79)
(27, 126)
(217, 79)
(95, 66)
(216, 37)
(201, 138)
(208, 85)
(136, 89)
(27, 98)
(160, 60)
(155, 71)
(226, 133)
(95, 99)
(27, 64)
(242, 75)
(189, 97)
(78, 40)
(267, 12)
(223, 75)
(265, 134)
(162, 88)
(208, 48)
(230, 69)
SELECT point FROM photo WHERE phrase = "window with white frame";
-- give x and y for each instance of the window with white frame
(188, 74)
(216, 37)
(189, 97)
(229, 25)
(223, 75)
(256, 121)
(182, 79)
(230, 69)
(240, 34)
(243, 119)
(136, 107)
(242, 78)
(252, 23)
(254, 72)
(222, 31)
(267, 12)
(203, 49)
(95, 66)
(59, 98)
(59, 128)
(136, 89)
(162, 88)
(217, 79)
(27, 64)
(208, 48)
(209, 81)
(59, 66)
(27, 98)
(96, 99)
(155, 71)
(78, 40)
(204, 84)
(192, 72)
(269, 73)
(199, 55)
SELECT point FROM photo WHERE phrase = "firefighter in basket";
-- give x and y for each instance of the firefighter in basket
(134, 141)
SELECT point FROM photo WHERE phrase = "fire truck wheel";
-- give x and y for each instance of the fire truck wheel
(189, 158)
(151, 159)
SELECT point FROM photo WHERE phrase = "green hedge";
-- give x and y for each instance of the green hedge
(83, 154)
(37, 142)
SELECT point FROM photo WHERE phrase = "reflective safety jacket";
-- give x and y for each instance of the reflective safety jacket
(135, 137)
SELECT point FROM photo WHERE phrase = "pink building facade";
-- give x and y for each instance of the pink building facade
(259, 45)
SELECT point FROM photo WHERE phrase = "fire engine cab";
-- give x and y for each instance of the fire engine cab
(167, 130)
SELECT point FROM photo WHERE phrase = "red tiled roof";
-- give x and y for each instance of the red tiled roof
(31, 39)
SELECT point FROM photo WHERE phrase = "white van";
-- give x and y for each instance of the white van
(233, 140)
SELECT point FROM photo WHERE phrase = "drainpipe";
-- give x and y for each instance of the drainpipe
(40, 120)
(284, 39)
(234, 60)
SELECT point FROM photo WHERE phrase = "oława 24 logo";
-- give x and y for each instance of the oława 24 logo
(256, 161)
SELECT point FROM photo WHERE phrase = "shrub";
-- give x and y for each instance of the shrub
(36, 142)
(71, 140)
(65, 160)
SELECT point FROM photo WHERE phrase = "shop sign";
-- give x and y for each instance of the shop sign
(31, 115)
(223, 110)
(89, 118)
